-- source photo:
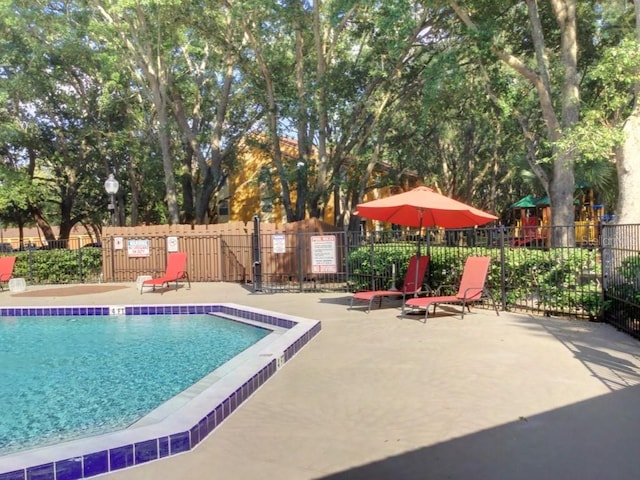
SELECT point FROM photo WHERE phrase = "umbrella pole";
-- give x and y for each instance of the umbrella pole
(429, 255)
(415, 281)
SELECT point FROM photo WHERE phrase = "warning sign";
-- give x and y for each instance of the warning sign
(138, 248)
(323, 254)
(279, 243)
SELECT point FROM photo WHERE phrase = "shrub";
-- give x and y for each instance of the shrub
(556, 280)
(59, 266)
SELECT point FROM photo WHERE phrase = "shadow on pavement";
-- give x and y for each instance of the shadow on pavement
(593, 439)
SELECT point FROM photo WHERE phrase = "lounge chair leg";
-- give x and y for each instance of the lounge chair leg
(493, 301)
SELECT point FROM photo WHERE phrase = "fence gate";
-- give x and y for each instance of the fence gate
(298, 261)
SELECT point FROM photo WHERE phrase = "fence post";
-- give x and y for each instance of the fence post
(373, 281)
(80, 264)
(347, 243)
(31, 265)
(299, 238)
(257, 261)
(113, 259)
(503, 269)
(605, 244)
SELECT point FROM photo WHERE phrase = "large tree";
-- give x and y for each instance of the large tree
(52, 88)
(162, 92)
(628, 155)
(560, 114)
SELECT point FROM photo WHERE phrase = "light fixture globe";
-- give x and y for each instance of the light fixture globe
(111, 185)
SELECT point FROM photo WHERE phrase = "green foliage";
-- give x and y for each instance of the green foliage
(630, 268)
(626, 290)
(59, 266)
(399, 83)
(555, 280)
(377, 263)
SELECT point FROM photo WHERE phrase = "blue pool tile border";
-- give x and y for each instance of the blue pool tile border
(127, 455)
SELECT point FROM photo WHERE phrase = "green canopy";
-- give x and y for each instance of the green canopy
(543, 202)
(531, 202)
(527, 202)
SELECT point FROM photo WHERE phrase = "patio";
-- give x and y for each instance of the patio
(377, 397)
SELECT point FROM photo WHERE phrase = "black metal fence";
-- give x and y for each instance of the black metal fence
(58, 265)
(620, 259)
(528, 276)
(597, 277)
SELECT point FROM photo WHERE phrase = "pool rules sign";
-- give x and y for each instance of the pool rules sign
(323, 254)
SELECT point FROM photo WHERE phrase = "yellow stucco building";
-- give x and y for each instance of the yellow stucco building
(254, 189)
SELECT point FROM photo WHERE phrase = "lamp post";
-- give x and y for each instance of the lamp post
(111, 186)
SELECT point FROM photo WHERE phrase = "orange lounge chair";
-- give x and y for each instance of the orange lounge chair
(412, 284)
(176, 270)
(472, 289)
(6, 269)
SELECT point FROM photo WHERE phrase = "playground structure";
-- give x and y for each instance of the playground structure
(531, 219)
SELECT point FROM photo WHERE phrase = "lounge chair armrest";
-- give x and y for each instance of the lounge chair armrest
(477, 297)
(438, 291)
(408, 288)
(427, 290)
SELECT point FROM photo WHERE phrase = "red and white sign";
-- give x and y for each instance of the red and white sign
(323, 254)
(138, 248)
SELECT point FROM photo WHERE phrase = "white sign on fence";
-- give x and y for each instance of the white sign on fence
(138, 248)
(279, 244)
(172, 244)
(323, 254)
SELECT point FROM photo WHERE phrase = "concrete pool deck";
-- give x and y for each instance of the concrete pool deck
(374, 396)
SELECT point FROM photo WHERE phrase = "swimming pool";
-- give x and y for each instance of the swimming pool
(179, 424)
(73, 376)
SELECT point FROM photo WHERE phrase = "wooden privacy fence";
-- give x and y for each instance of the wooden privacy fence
(225, 252)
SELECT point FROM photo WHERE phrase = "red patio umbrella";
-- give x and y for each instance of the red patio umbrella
(423, 207)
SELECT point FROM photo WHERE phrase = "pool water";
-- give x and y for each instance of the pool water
(67, 377)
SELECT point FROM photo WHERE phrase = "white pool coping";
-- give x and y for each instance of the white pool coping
(225, 388)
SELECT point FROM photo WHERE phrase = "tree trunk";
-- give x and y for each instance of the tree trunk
(146, 62)
(322, 167)
(135, 197)
(628, 165)
(272, 122)
(628, 158)
(171, 196)
(42, 223)
(562, 181)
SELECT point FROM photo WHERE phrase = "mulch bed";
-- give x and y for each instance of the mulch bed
(70, 291)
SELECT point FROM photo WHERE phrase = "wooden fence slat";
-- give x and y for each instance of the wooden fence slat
(217, 252)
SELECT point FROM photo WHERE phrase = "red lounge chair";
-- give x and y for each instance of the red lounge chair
(6, 269)
(412, 284)
(472, 288)
(176, 270)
